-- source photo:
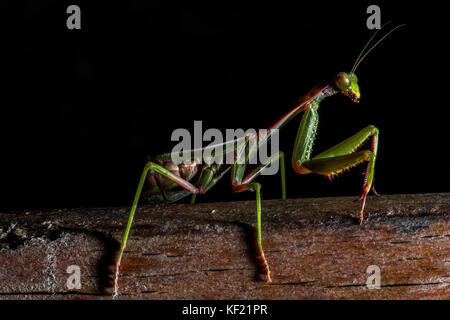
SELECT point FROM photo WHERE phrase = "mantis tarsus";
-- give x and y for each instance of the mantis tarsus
(165, 177)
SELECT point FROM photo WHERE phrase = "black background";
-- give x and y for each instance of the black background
(81, 109)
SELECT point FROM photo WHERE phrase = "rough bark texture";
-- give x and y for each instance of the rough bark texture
(316, 249)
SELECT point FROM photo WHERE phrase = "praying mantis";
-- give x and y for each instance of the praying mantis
(173, 181)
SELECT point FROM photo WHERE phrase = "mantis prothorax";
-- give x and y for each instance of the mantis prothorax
(174, 181)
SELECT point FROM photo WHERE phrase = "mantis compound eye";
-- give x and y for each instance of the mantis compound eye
(342, 81)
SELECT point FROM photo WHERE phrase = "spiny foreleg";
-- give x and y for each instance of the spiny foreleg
(342, 157)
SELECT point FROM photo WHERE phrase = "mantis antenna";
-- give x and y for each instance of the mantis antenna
(367, 44)
(368, 51)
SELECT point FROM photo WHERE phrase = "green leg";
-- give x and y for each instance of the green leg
(246, 183)
(161, 170)
(342, 157)
(257, 188)
(194, 195)
(255, 173)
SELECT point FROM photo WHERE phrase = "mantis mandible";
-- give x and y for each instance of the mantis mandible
(165, 177)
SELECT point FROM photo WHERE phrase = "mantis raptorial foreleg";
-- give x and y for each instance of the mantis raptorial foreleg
(337, 158)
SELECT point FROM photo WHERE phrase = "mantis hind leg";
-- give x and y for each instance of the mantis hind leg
(161, 170)
(342, 157)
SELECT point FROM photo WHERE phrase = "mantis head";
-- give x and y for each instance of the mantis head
(347, 84)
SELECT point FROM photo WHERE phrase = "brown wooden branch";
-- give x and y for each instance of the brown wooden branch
(316, 249)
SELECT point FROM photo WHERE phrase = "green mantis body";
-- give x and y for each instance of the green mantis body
(174, 181)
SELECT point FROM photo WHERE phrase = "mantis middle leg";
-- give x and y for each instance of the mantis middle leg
(240, 184)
